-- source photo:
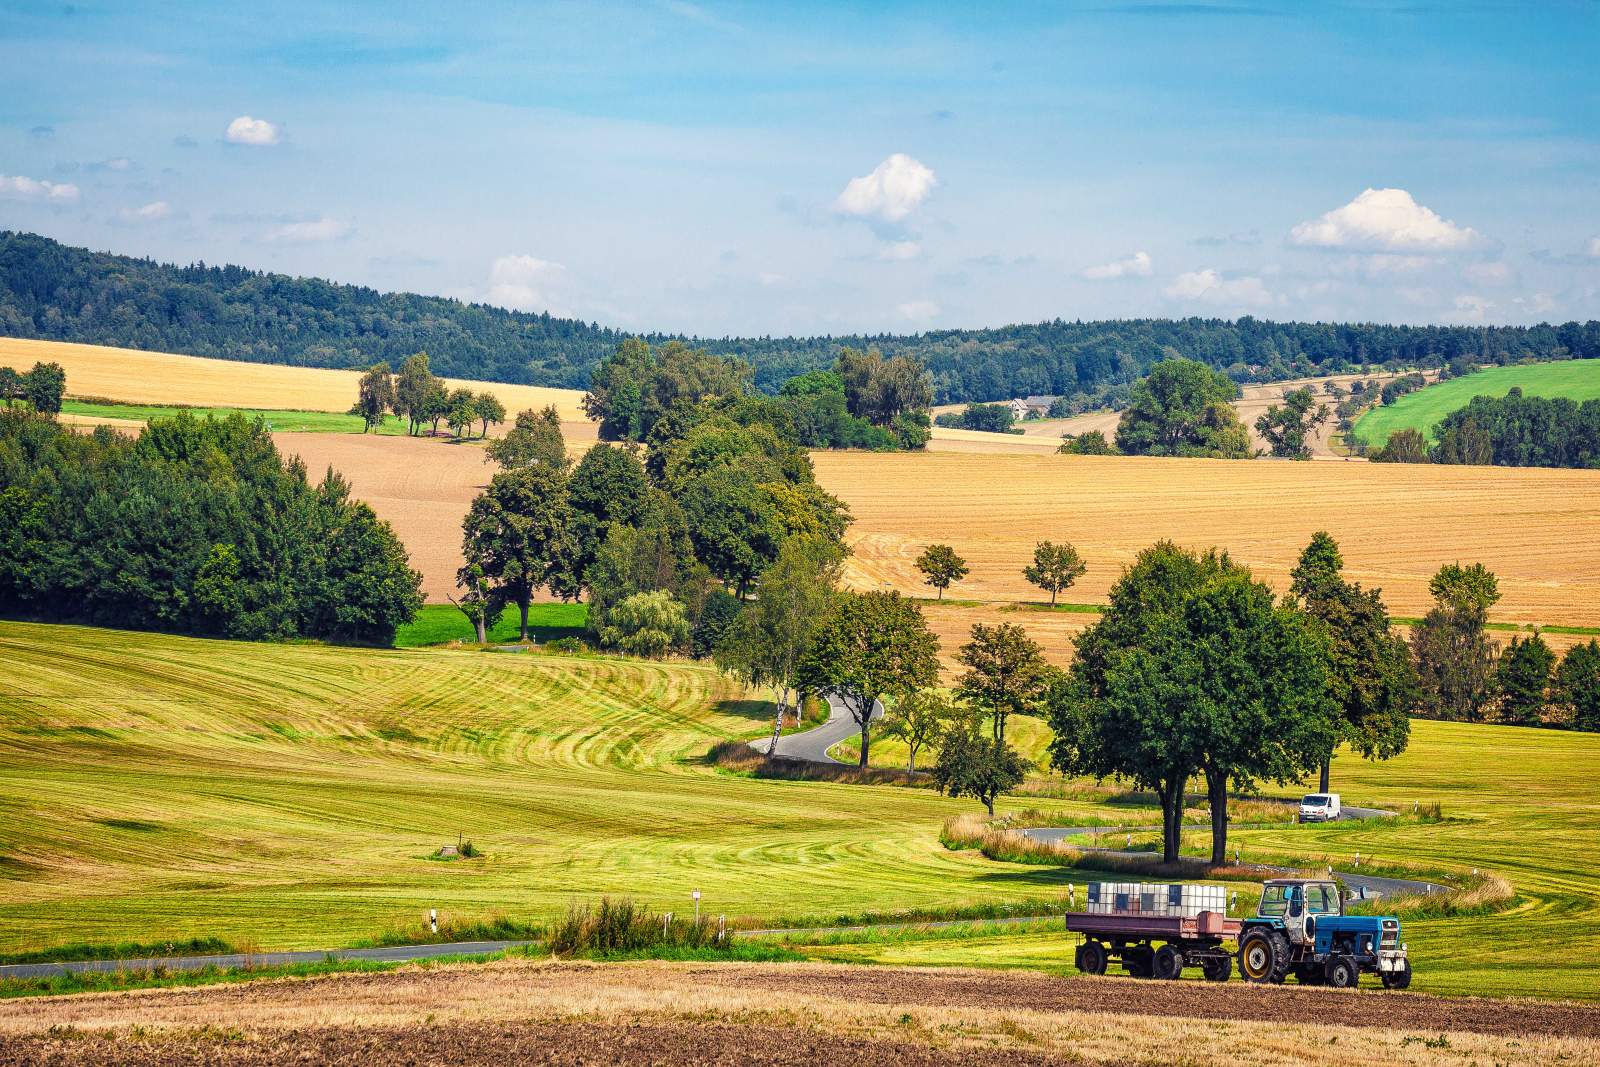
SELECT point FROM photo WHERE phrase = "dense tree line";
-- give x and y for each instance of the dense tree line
(1509, 431)
(58, 292)
(196, 526)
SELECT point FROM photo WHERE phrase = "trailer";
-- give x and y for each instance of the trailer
(1155, 946)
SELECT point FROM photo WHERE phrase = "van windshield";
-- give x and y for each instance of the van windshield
(1315, 800)
(1274, 900)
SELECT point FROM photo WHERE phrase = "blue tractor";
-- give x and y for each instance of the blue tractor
(1301, 929)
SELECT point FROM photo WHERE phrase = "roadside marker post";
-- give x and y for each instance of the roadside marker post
(696, 896)
(433, 919)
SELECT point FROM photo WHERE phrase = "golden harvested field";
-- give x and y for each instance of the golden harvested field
(133, 376)
(1537, 529)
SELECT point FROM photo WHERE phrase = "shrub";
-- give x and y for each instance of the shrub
(619, 926)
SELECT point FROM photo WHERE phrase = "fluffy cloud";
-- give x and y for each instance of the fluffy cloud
(523, 283)
(156, 209)
(1384, 220)
(918, 310)
(323, 229)
(1135, 266)
(1594, 247)
(1471, 308)
(1488, 274)
(900, 251)
(892, 191)
(1209, 286)
(253, 131)
(17, 187)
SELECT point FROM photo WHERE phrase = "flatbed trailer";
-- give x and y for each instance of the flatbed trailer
(1156, 946)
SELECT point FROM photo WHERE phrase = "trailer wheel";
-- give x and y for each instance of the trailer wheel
(1138, 961)
(1264, 956)
(1343, 972)
(1092, 957)
(1398, 979)
(1168, 963)
(1309, 974)
(1217, 968)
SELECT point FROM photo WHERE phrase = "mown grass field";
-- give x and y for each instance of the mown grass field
(437, 624)
(280, 421)
(1577, 379)
(159, 787)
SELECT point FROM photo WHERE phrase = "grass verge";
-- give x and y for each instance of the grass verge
(438, 624)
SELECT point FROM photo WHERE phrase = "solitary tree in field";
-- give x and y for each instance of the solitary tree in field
(1054, 567)
(1370, 676)
(1287, 427)
(1006, 674)
(920, 719)
(463, 412)
(44, 387)
(516, 531)
(870, 645)
(1577, 685)
(1454, 655)
(1403, 446)
(771, 635)
(941, 567)
(971, 765)
(1523, 676)
(1183, 408)
(535, 438)
(375, 396)
(490, 412)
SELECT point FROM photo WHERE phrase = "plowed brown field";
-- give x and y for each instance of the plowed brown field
(781, 1014)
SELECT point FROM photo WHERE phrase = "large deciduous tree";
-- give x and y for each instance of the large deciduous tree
(1370, 676)
(869, 646)
(971, 765)
(491, 412)
(771, 635)
(920, 719)
(607, 487)
(1006, 674)
(1183, 408)
(413, 389)
(534, 438)
(516, 531)
(1287, 427)
(646, 624)
(1451, 646)
(941, 567)
(375, 396)
(1523, 678)
(1055, 567)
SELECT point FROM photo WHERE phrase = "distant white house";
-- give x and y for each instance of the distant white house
(1030, 407)
(1019, 409)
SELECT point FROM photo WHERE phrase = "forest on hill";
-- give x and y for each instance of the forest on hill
(57, 292)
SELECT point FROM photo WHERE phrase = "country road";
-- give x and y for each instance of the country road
(812, 745)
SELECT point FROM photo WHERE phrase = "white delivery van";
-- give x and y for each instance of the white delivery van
(1319, 807)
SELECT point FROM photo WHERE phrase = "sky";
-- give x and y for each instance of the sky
(821, 168)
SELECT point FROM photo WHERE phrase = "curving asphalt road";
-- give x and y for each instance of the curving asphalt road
(812, 745)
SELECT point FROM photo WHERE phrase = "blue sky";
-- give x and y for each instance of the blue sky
(720, 168)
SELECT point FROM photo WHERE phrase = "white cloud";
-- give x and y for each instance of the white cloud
(323, 229)
(891, 192)
(523, 283)
(1594, 247)
(1209, 286)
(1137, 265)
(1537, 304)
(1384, 220)
(17, 187)
(253, 131)
(1471, 308)
(769, 279)
(918, 310)
(900, 251)
(1487, 274)
(157, 209)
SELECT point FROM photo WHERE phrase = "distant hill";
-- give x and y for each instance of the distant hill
(57, 292)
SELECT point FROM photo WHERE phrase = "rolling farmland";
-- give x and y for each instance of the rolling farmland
(1577, 380)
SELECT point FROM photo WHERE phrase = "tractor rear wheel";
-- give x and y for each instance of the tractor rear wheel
(1398, 979)
(1092, 957)
(1217, 968)
(1343, 972)
(1168, 963)
(1264, 956)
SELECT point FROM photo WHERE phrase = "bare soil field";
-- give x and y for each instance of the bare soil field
(133, 376)
(1396, 524)
(779, 1014)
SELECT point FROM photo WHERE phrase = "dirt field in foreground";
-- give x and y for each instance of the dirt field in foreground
(780, 1014)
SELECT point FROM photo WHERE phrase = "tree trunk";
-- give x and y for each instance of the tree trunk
(1171, 820)
(1328, 759)
(941, 592)
(1217, 794)
(523, 604)
(777, 727)
(864, 740)
(988, 802)
(911, 762)
(1053, 594)
(482, 622)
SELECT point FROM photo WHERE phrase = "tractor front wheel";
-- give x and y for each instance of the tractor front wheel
(1398, 979)
(1263, 956)
(1343, 972)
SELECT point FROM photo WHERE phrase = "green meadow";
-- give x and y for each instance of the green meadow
(1576, 379)
(278, 420)
(294, 795)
